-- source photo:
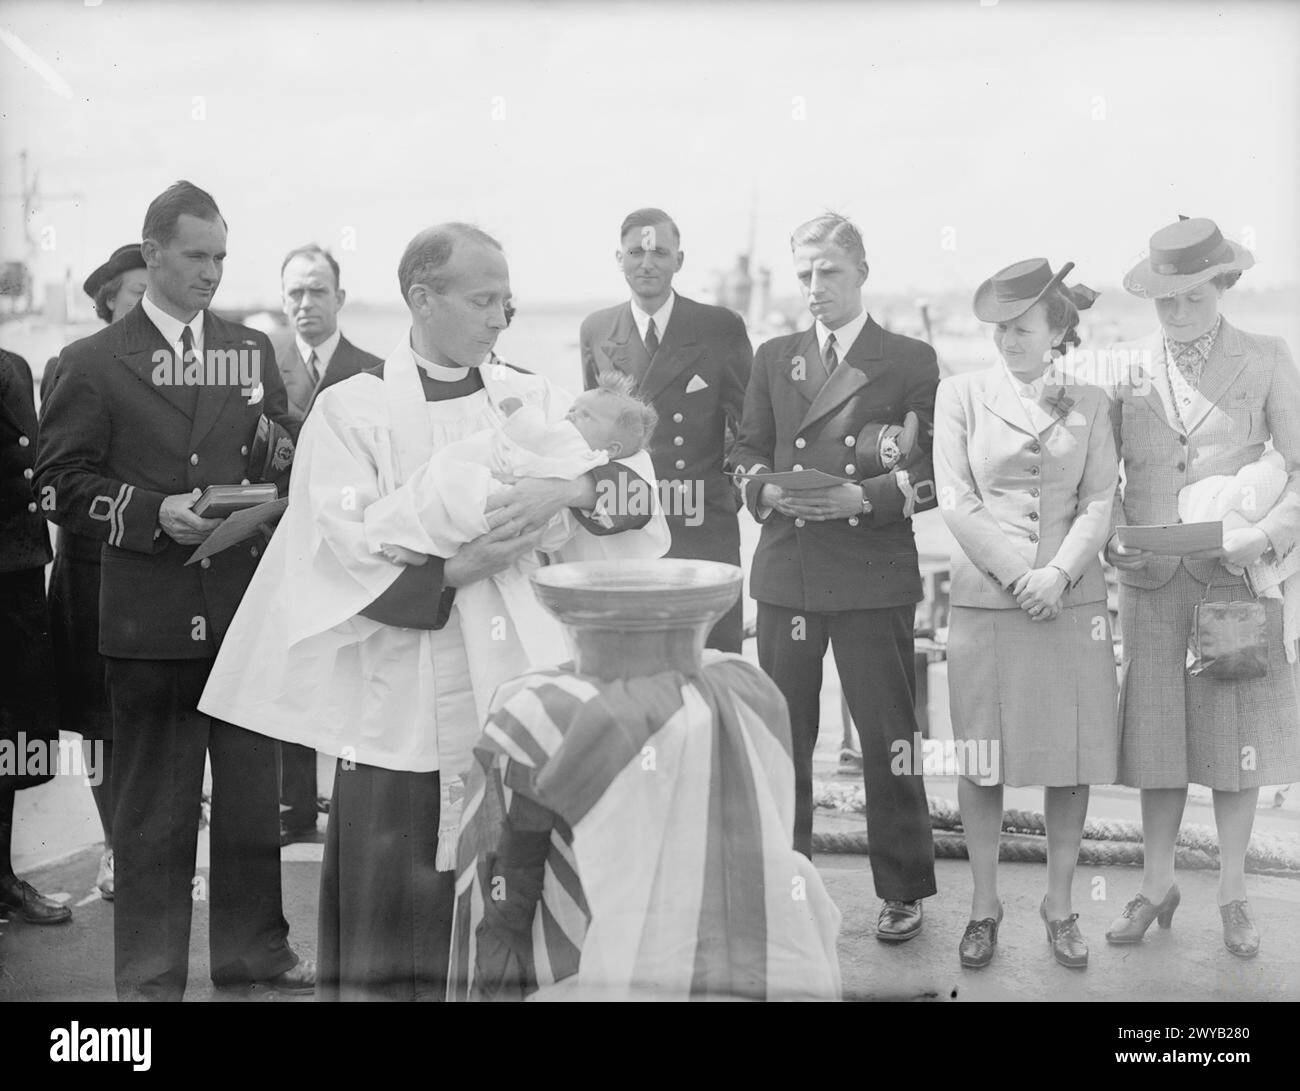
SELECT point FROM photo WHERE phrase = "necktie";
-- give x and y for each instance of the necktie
(313, 368)
(188, 395)
(651, 339)
(187, 346)
(830, 356)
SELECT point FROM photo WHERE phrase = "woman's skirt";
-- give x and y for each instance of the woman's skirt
(1177, 729)
(1036, 700)
(29, 731)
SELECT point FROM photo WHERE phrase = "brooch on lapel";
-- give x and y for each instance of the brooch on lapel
(1059, 403)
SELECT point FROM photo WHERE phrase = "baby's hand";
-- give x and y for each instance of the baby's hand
(401, 555)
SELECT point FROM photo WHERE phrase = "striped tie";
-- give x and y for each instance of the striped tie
(829, 356)
(313, 369)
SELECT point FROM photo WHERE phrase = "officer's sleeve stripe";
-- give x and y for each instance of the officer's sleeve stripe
(117, 527)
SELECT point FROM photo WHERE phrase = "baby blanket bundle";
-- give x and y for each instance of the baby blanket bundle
(1240, 501)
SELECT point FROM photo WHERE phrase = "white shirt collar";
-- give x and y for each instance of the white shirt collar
(171, 327)
(1031, 393)
(661, 316)
(324, 351)
(844, 336)
(436, 371)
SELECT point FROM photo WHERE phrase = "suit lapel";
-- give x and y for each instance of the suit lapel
(142, 341)
(623, 349)
(1224, 365)
(1158, 396)
(853, 373)
(676, 350)
(213, 397)
(1002, 399)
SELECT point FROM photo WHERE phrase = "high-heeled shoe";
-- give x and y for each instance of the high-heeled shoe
(1239, 933)
(980, 941)
(1068, 944)
(1132, 924)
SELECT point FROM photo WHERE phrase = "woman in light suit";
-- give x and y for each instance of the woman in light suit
(1198, 399)
(1026, 471)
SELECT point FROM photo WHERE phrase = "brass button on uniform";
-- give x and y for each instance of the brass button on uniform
(801, 443)
(1181, 466)
(245, 482)
(853, 520)
(32, 507)
(1033, 515)
(680, 463)
(1033, 470)
(1034, 448)
(678, 441)
(254, 551)
(1033, 537)
(23, 441)
(849, 468)
(1033, 492)
(205, 563)
(849, 441)
(194, 460)
(796, 467)
(27, 473)
(244, 449)
(678, 418)
(798, 522)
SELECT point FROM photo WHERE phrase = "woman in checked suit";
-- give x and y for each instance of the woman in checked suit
(1197, 399)
(1026, 472)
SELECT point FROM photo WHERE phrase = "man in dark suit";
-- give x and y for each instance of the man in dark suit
(146, 413)
(692, 361)
(318, 355)
(838, 565)
(315, 358)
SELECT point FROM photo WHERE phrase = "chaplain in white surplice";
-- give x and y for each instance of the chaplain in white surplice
(390, 667)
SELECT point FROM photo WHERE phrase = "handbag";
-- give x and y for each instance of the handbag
(1229, 640)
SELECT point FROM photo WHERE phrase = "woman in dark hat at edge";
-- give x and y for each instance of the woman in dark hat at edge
(116, 287)
(1026, 471)
(1196, 399)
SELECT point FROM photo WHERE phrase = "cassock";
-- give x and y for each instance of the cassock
(337, 648)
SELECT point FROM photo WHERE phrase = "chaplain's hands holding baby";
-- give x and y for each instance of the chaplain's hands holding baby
(529, 502)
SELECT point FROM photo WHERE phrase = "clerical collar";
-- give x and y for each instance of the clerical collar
(437, 372)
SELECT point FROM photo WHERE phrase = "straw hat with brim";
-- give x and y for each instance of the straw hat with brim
(1010, 292)
(124, 258)
(1184, 256)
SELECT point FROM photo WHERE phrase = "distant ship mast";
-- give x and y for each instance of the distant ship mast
(16, 277)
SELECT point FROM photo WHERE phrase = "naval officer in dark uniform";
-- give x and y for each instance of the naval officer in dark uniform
(127, 442)
(28, 714)
(692, 361)
(838, 565)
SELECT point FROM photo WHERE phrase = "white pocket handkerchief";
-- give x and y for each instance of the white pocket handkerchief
(255, 395)
(695, 384)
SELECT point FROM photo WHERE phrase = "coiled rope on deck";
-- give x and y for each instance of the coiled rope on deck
(1106, 842)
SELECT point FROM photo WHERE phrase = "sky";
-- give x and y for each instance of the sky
(960, 136)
